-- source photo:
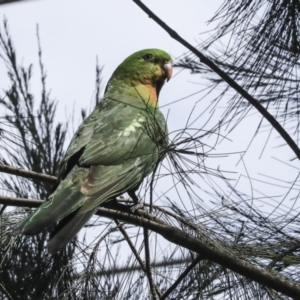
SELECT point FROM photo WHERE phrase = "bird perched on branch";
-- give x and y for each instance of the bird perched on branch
(113, 150)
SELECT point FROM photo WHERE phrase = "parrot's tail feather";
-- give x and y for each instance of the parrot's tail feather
(66, 234)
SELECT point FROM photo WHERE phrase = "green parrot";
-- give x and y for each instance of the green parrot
(113, 150)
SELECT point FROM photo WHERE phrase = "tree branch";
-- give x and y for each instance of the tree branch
(181, 277)
(126, 269)
(9, 1)
(27, 174)
(134, 251)
(224, 76)
(282, 255)
(20, 202)
(204, 246)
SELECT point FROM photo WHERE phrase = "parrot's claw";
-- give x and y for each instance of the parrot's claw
(135, 207)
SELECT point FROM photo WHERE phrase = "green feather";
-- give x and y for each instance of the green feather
(117, 146)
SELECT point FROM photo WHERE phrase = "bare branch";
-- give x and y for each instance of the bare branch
(27, 174)
(180, 278)
(134, 251)
(9, 1)
(282, 255)
(126, 269)
(20, 202)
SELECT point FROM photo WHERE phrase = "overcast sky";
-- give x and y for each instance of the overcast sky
(74, 32)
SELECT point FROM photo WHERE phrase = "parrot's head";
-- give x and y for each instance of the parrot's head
(145, 71)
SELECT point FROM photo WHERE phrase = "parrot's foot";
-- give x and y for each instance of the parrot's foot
(135, 207)
(114, 204)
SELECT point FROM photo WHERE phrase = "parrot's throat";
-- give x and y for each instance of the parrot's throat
(148, 93)
(147, 90)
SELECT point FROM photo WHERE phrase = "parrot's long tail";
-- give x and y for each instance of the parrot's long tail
(66, 233)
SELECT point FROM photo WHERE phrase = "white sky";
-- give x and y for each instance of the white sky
(74, 32)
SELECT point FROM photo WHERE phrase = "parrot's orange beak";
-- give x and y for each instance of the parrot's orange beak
(167, 67)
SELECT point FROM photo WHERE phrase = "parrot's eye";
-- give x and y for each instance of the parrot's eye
(149, 57)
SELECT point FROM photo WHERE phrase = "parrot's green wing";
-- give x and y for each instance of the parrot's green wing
(117, 146)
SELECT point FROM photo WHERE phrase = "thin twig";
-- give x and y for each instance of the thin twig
(127, 269)
(27, 174)
(2, 209)
(153, 288)
(224, 76)
(20, 202)
(9, 1)
(134, 251)
(282, 255)
(6, 292)
(181, 277)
